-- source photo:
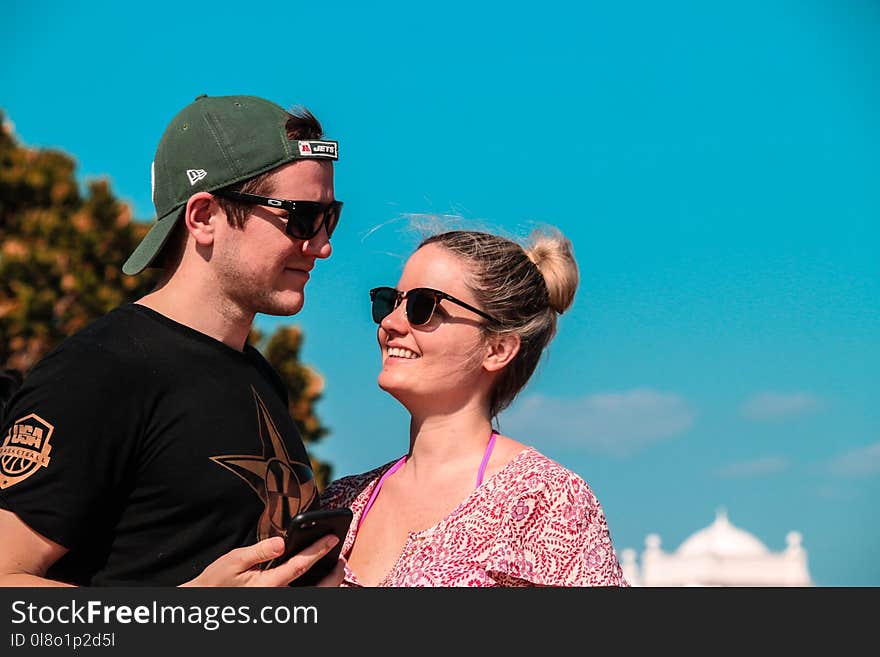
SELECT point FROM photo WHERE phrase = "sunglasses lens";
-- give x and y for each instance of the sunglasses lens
(384, 300)
(305, 222)
(419, 307)
(332, 219)
(301, 222)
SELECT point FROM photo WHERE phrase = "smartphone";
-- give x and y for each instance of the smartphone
(306, 528)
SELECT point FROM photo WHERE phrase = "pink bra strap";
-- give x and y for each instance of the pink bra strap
(486, 456)
(394, 468)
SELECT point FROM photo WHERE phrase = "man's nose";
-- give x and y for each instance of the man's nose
(319, 244)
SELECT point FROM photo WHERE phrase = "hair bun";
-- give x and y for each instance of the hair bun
(553, 255)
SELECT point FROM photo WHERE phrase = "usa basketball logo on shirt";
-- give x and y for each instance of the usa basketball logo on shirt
(25, 449)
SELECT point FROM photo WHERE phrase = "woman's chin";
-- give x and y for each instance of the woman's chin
(395, 387)
(388, 382)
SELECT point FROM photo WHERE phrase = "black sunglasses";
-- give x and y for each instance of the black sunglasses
(304, 218)
(421, 302)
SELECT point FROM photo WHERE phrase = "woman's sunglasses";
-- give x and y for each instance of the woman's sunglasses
(421, 302)
(304, 218)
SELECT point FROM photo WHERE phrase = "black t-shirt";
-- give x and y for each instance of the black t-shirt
(149, 449)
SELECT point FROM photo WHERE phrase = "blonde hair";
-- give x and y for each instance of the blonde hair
(524, 288)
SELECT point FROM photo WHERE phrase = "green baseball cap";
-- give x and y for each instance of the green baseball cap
(214, 142)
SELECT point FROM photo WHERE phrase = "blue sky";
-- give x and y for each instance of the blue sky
(714, 164)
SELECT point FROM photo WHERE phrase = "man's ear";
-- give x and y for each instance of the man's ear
(500, 351)
(202, 213)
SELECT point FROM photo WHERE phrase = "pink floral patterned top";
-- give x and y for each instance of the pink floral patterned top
(532, 523)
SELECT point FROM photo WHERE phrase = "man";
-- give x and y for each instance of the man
(155, 446)
(10, 380)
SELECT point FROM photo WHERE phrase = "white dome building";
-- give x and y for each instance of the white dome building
(719, 555)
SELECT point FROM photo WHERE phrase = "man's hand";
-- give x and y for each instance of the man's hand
(239, 567)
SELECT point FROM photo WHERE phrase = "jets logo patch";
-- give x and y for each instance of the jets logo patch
(319, 149)
(25, 449)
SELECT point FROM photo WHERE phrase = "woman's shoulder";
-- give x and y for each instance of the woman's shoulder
(538, 482)
(535, 471)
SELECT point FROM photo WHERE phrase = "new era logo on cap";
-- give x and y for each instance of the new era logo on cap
(195, 175)
(313, 148)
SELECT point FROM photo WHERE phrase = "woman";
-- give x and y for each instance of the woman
(460, 336)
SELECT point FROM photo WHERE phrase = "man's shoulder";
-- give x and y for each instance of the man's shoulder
(92, 367)
(111, 347)
(111, 339)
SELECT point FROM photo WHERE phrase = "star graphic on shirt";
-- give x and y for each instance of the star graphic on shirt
(285, 487)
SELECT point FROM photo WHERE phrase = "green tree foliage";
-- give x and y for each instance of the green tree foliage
(61, 256)
(60, 253)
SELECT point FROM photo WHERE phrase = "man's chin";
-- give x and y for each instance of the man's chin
(283, 307)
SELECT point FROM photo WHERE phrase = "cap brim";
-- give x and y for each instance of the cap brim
(152, 243)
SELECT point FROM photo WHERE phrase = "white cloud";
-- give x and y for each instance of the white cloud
(755, 468)
(775, 405)
(864, 462)
(617, 423)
